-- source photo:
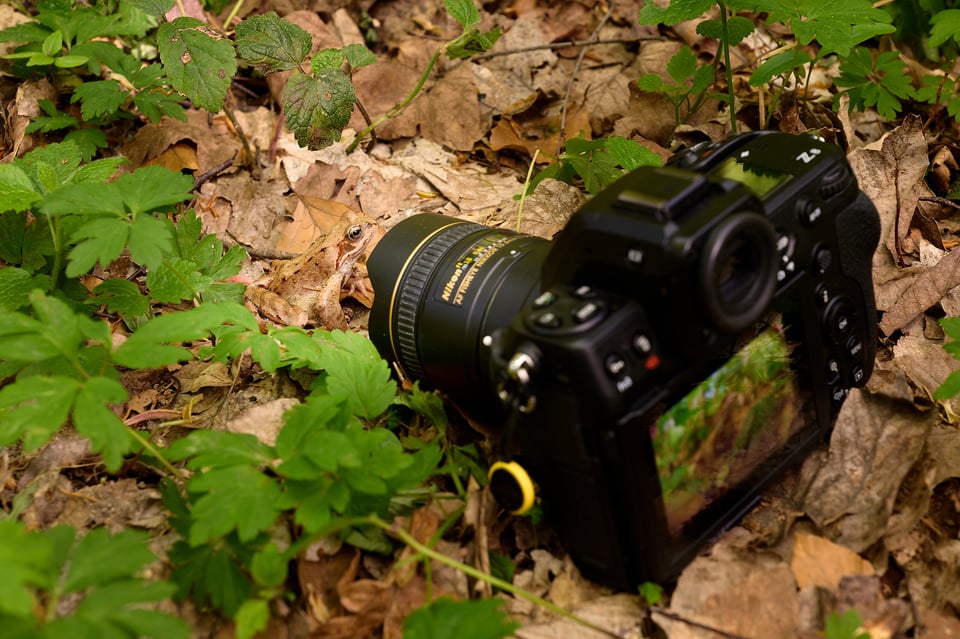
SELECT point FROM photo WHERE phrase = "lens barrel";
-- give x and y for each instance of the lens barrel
(441, 285)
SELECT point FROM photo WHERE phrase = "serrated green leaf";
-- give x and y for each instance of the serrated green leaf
(15, 287)
(150, 241)
(677, 11)
(94, 420)
(358, 55)
(738, 28)
(153, 7)
(98, 170)
(51, 166)
(25, 557)
(318, 108)
(269, 567)
(463, 11)
(472, 42)
(838, 25)
(17, 192)
(101, 240)
(234, 498)
(271, 43)
(206, 449)
(153, 187)
(87, 140)
(122, 297)
(175, 280)
(682, 64)
(780, 64)
(210, 574)
(33, 409)
(252, 617)
(150, 346)
(99, 558)
(327, 59)
(100, 98)
(199, 61)
(945, 25)
(84, 199)
(472, 619)
(630, 154)
(356, 373)
(650, 82)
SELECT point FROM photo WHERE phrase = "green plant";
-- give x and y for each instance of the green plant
(846, 626)
(874, 82)
(688, 85)
(56, 585)
(597, 162)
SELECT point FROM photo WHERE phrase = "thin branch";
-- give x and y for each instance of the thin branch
(562, 137)
(561, 45)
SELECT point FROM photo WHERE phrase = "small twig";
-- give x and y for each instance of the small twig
(251, 157)
(562, 137)
(206, 176)
(942, 201)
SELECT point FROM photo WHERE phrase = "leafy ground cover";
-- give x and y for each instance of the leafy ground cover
(174, 466)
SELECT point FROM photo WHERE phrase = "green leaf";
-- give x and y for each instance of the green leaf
(150, 241)
(945, 25)
(677, 11)
(101, 98)
(122, 297)
(209, 574)
(175, 280)
(16, 189)
(153, 7)
(472, 42)
(738, 28)
(153, 187)
(650, 82)
(472, 619)
(358, 55)
(93, 419)
(683, 64)
(463, 11)
(199, 61)
(838, 25)
(100, 558)
(15, 287)
(318, 108)
(252, 617)
(101, 240)
(630, 154)
(219, 449)
(234, 498)
(356, 373)
(949, 388)
(846, 626)
(33, 409)
(273, 44)
(25, 557)
(327, 59)
(780, 64)
(150, 346)
(269, 567)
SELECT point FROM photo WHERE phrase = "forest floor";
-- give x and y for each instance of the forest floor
(869, 521)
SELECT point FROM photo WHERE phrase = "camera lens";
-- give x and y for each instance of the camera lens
(441, 285)
(738, 270)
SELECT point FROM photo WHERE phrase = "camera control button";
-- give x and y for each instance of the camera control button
(823, 295)
(854, 347)
(823, 259)
(838, 394)
(547, 320)
(834, 181)
(635, 256)
(587, 311)
(544, 300)
(858, 375)
(808, 211)
(583, 291)
(642, 344)
(615, 365)
(838, 320)
(833, 371)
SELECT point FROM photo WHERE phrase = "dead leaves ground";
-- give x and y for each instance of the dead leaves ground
(871, 521)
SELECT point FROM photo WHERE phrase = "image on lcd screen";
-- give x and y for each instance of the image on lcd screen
(733, 421)
(761, 180)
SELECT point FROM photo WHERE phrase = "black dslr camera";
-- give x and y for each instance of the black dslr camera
(690, 332)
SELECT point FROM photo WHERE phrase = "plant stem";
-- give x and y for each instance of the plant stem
(147, 444)
(56, 234)
(470, 571)
(397, 110)
(725, 43)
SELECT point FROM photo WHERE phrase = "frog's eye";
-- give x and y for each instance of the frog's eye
(354, 233)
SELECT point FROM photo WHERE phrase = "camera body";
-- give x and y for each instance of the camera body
(691, 332)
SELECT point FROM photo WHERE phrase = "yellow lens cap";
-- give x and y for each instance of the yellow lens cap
(511, 486)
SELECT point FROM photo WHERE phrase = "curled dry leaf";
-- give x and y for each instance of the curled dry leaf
(875, 442)
(820, 562)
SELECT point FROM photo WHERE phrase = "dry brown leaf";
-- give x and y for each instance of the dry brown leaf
(731, 589)
(618, 614)
(820, 562)
(874, 444)
(938, 626)
(915, 290)
(215, 141)
(454, 93)
(178, 157)
(311, 218)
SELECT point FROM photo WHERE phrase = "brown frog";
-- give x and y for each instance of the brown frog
(307, 290)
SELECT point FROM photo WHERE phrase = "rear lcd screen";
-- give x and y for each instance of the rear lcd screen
(729, 425)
